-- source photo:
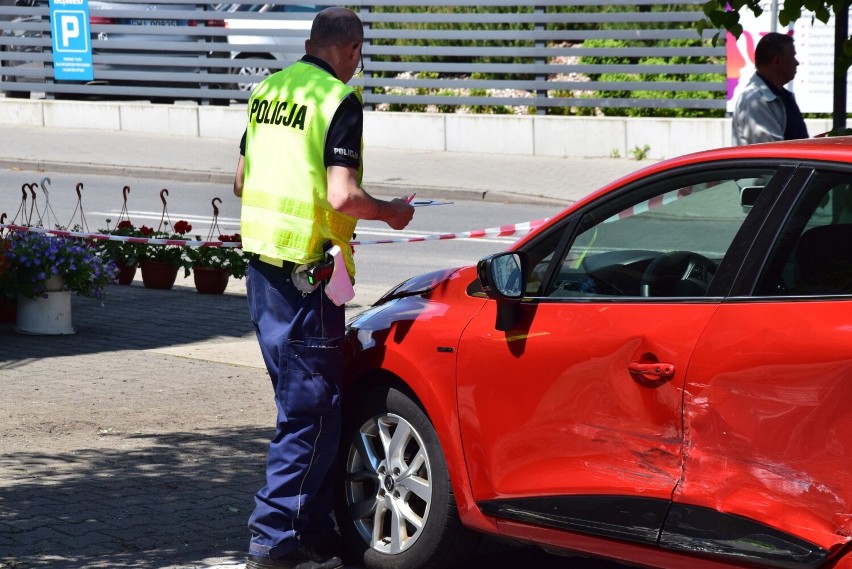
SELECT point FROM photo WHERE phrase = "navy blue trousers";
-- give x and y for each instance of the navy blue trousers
(301, 338)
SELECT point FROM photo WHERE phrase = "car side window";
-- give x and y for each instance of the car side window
(664, 240)
(812, 255)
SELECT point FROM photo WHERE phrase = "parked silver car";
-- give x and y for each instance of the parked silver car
(171, 54)
(266, 37)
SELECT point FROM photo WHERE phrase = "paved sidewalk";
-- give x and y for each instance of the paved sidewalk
(136, 442)
(524, 179)
(117, 453)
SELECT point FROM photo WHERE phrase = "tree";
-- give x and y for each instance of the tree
(723, 15)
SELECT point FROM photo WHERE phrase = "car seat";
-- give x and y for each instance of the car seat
(824, 255)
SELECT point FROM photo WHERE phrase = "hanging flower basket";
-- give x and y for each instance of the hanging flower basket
(158, 274)
(210, 280)
(126, 273)
(125, 254)
(212, 267)
(160, 263)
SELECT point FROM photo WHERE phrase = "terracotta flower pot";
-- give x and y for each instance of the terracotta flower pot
(125, 273)
(209, 280)
(158, 275)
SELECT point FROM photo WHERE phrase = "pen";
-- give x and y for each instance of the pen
(411, 197)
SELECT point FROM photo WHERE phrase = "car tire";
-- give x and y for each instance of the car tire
(397, 511)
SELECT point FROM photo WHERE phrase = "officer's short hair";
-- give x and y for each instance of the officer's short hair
(769, 46)
(336, 26)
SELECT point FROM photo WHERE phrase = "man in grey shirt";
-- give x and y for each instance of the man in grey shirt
(766, 111)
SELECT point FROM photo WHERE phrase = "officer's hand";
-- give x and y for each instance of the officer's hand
(400, 213)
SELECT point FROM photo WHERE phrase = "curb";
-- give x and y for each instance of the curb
(381, 188)
(443, 192)
(115, 170)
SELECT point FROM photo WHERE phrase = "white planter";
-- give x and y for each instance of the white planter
(51, 315)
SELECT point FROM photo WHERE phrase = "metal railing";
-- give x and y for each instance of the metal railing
(551, 57)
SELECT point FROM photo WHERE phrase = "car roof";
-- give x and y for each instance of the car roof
(830, 149)
(835, 149)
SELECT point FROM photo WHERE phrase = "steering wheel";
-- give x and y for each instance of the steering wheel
(679, 273)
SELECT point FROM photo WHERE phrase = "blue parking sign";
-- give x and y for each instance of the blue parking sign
(72, 46)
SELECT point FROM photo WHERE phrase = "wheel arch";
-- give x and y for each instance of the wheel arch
(250, 55)
(442, 411)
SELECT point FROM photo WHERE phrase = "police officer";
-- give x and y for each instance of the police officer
(299, 177)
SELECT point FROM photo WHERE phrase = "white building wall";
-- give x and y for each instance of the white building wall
(489, 134)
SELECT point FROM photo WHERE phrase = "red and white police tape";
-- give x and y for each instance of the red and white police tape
(502, 231)
(655, 203)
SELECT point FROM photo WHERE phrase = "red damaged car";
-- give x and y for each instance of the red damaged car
(661, 375)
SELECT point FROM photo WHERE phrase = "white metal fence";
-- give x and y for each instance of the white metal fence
(551, 57)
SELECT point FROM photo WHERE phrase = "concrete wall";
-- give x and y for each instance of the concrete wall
(486, 134)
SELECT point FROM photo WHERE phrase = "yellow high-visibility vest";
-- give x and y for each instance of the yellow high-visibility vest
(285, 208)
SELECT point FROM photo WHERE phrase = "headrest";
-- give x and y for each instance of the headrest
(824, 254)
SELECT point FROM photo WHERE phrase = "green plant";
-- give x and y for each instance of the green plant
(230, 259)
(31, 258)
(120, 251)
(169, 254)
(714, 81)
(614, 153)
(640, 153)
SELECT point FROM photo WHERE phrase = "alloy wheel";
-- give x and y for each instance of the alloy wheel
(248, 72)
(388, 483)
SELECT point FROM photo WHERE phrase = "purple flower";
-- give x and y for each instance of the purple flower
(33, 257)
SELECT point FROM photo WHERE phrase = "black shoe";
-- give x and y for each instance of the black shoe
(301, 558)
(328, 544)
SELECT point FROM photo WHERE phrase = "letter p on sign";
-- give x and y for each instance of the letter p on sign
(69, 29)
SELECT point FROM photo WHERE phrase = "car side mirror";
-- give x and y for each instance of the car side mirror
(503, 275)
(748, 197)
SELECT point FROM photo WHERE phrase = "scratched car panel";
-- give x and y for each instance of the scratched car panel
(659, 375)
